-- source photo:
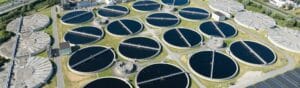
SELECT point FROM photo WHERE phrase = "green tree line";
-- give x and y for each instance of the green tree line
(25, 10)
(287, 21)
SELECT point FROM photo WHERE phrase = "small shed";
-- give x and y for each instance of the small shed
(218, 16)
(65, 48)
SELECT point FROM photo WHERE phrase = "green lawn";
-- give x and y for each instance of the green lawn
(2, 1)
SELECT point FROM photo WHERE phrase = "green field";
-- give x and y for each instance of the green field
(2, 1)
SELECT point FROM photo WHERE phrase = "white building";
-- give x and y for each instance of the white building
(282, 3)
(218, 16)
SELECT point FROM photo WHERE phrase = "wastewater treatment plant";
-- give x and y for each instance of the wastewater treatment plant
(148, 44)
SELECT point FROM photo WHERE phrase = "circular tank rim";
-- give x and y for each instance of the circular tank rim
(174, 46)
(153, 26)
(101, 37)
(92, 72)
(141, 59)
(213, 79)
(252, 64)
(114, 77)
(115, 35)
(186, 74)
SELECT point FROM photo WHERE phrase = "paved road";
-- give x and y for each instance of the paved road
(57, 60)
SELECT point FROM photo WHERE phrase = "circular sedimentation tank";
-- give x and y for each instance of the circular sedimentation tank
(77, 17)
(162, 20)
(217, 29)
(91, 60)
(175, 2)
(182, 38)
(113, 11)
(193, 13)
(227, 7)
(84, 35)
(31, 72)
(108, 82)
(29, 43)
(213, 65)
(162, 76)
(139, 48)
(29, 23)
(146, 6)
(285, 38)
(125, 27)
(254, 20)
(252, 53)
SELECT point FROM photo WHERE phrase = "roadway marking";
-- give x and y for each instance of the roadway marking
(253, 52)
(162, 18)
(70, 18)
(84, 34)
(114, 10)
(140, 46)
(124, 26)
(161, 77)
(90, 57)
(218, 29)
(194, 12)
(183, 37)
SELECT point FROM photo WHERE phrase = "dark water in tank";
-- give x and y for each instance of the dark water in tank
(117, 28)
(135, 52)
(192, 37)
(77, 17)
(96, 63)
(176, 2)
(262, 51)
(209, 29)
(227, 29)
(162, 23)
(143, 41)
(194, 16)
(75, 38)
(202, 63)
(174, 38)
(108, 13)
(158, 70)
(146, 5)
(243, 53)
(107, 83)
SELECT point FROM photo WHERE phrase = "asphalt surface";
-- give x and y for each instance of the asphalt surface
(57, 60)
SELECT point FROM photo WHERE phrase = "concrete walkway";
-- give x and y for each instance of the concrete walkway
(57, 60)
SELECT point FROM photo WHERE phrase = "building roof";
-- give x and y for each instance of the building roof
(64, 45)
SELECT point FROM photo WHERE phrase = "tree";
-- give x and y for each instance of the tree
(290, 22)
(4, 35)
